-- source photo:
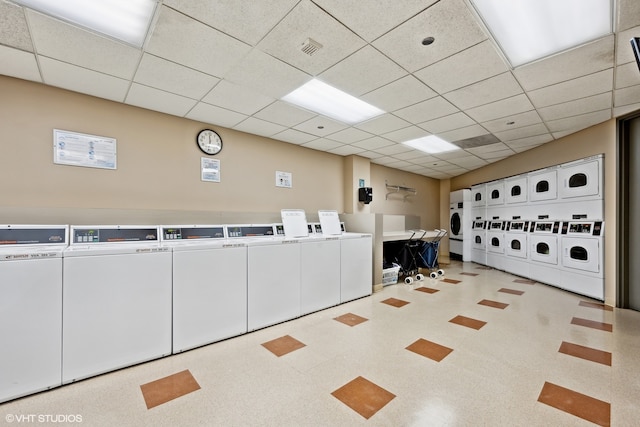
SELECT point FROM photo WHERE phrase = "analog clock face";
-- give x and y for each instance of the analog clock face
(209, 141)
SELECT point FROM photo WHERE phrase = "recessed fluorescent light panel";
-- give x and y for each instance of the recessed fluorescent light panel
(527, 30)
(431, 144)
(125, 20)
(331, 102)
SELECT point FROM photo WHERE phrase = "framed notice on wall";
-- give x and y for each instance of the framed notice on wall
(81, 149)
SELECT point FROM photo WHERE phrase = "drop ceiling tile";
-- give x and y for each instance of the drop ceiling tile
(577, 107)
(67, 43)
(259, 127)
(519, 148)
(207, 113)
(14, 31)
(625, 109)
(284, 114)
(305, 21)
(266, 74)
(493, 155)
(580, 122)
(471, 65)
(412, 156)
(349, 135)
(372, 22)
(492, 89)
(157, 100)
(624, 53)
(77, 79)
(390, 162)
(583, 60)
(626, 96)
(399, 94)
(171, 77)
(529, 141)
(320, 126)
(322, 144)
(237, 98)
(470, 162)
(581, 87)
(20, 64)
(348, 76)
(520, 120)
(406, 134)
(523, 132)
(450, 22)
(463, 133)
(628, 15)
(627, 75)
(346, 150)
(371, 155)
(447, 123)
(294, 136)
(246, 21)
(373, 143)
(427, 110)
(180, 39)
(503, 108)
(413, 168)
(425, 160)
(449, 156)
(486, 149)
(393, 149)
(383, 124)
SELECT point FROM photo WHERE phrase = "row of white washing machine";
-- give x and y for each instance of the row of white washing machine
(113, 296)
(565, 254)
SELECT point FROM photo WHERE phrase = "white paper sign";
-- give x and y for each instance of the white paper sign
(284, 179)
(210, 170)
(80, 149)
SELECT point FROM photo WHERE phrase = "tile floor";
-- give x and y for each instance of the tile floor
(483, 348)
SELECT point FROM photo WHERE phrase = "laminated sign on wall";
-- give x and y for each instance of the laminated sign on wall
(80, 149)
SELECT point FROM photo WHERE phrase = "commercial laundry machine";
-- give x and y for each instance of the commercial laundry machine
(479, 241)
(516, 247)
(516, 198)
(495, 200)
(116, 299)
(582, 255)
(460, 224)
(30, 308)
(209, 285)
(580, 188)
(356, 257)
(496, 244)
(543, 252)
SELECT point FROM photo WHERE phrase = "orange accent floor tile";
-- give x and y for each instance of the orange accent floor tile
(395, 302)
(168, 388)
(511, 291)
(283, 345)
(363, 396)
(587, 353)
(595, 305)
(452, 281)
(525, 281)
(608, 327)
(429, 349)
(468, 322)
(427, 290)
(350, 319)
(574, 403)
(494, 304)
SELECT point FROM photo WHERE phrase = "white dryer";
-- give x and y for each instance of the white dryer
(479, 241)
(209, 285)
(496, 244)
(116, 299)
(543, 252)
(460, 223)
(30, 308)
(495, 200)
(517, 248)
(543, 185)
(580, 188)
(516, 197)
(582, 252)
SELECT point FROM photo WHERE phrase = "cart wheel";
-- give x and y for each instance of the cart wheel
(408, 280)
(419, 276)
(433, 275)
(441, 272)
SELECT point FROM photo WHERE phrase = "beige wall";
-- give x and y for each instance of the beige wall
(594, 140)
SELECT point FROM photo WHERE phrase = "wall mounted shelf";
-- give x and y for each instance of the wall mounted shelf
(401, 189)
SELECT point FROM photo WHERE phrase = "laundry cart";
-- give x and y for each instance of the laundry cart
(30, 308)
(209, 285)
(116, 299)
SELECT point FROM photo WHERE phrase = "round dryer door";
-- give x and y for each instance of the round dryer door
(456, 224)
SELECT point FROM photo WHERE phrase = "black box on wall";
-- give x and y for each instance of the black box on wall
(365, 195)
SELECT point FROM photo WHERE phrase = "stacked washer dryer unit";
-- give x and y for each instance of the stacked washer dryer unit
(479, 224)
(582, 256)
(30, 308)
(116, 299)
(460, 221)
(496, 226)
(209, 285)
(517, 213)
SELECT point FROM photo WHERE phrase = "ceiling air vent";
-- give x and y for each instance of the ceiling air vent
(310, 46)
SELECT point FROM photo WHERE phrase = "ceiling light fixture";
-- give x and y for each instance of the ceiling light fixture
(431, 144)
(331, 102)
(527, 30)
(125, 20)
